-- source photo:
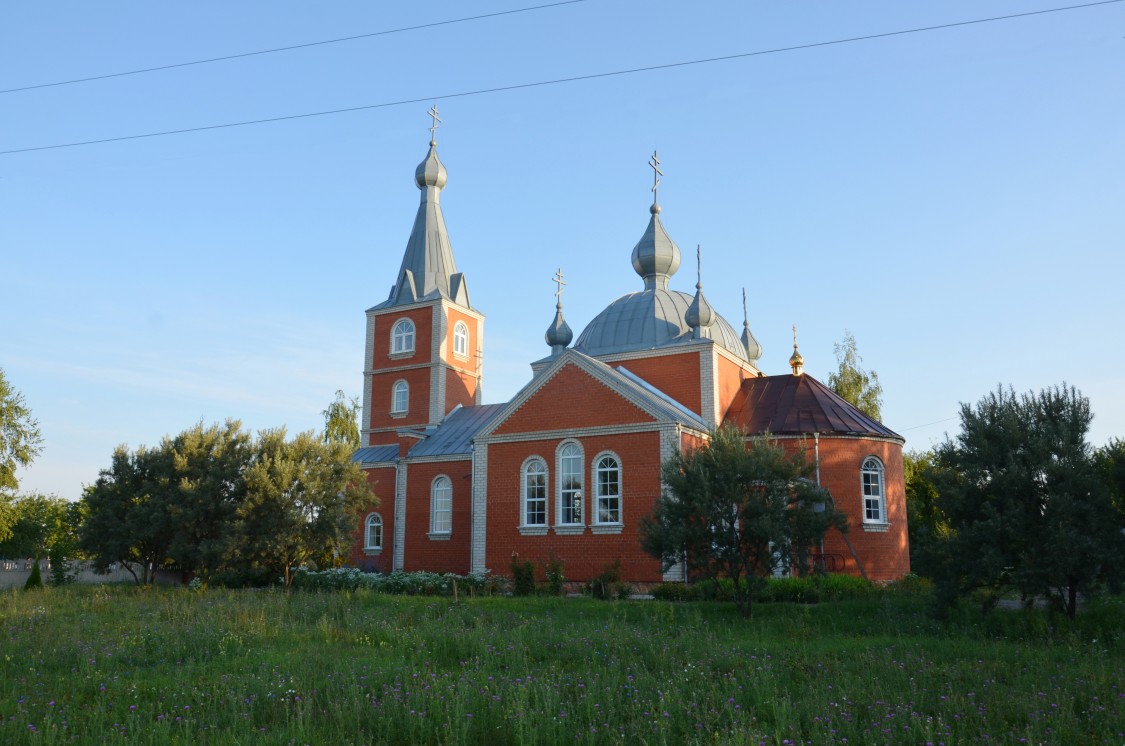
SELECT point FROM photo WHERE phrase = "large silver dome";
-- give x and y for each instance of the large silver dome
(649, 319)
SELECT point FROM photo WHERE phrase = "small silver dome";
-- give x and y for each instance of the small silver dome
(431, 172)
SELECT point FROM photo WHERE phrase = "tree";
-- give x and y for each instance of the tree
(1110, 463)
(740, 513)
(927, 523)
(20, 440)
(852, 383)
(340, 420)
(206, 491)
(301, 500)
(126, 513)
(1027, 508)
(41, 523)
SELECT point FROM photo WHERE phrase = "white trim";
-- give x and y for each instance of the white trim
(880, 499)
(524, 525)
(479, 508)
(413, 337)
(434, 530)
(367, 545)
(595, 483)
(458, 336)
(399, 559)
(438, 325)
(395, 389)
(579, 494)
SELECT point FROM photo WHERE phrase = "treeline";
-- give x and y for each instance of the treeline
(224, 505)
(1020, 502)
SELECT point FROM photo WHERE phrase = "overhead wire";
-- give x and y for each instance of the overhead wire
(292, 47)
(571, 79)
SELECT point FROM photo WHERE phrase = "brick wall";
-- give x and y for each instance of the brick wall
(382, 481)
(572, 399)
(440, 554)
(677, 375)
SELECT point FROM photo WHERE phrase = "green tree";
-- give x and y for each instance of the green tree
(927, 523)
(340, 420)
(1027, 508)
(20, 440)
(206, 491)
(41, 524)
(1110, 463)
(729, 511)
(302, 496)
(126, 517)
(852, 383)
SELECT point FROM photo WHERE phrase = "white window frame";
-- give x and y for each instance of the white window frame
(461, 339)
(400, 397)
(525, 491)
(596, 470)
(402, 337)
(441, 506)
(872, 474)
(569, 455)
(373, 521)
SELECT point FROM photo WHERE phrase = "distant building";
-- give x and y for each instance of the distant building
(572, 462)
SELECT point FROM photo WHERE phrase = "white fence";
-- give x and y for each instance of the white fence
(15, 572)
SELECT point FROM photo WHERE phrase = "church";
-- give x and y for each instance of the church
(570, 465)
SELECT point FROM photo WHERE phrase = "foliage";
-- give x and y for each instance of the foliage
(738, 512)
(301, 497)
(396, 583)
(1026, 506)
(553, 570)
(852, 383)
(927, 523)
(35, 579)
(350, 667)
(607, 584)
(41, 523)
(523, 576)
(1110, 463)
(126, 520)
(340, 420)
(20, 439)
(205, 491)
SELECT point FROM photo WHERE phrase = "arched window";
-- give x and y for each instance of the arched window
(874, 508)
(461, 339)
(607, 478)
(535, 492)
(441, 506)
(570, 485)
(402, 337)
(400, 397)
(373, 533)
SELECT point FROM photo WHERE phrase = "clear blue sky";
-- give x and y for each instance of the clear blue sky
(954, 198)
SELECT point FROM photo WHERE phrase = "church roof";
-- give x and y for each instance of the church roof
(656, 316)
(799, 405)
(454, 435)
(375, 454)
(428, 270)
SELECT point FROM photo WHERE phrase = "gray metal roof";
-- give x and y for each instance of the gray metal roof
(428, 270)
(455, 434)
(650, 319)
(664, 402)
(375, 454)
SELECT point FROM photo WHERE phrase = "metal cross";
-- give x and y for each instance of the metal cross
(558, 279)
(437, 121)
(794, 336)
(745, 316)
(654, 164)
(699, 266)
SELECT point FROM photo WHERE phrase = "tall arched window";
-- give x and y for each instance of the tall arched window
(535, 493)
(607, 477)
(461, 339)
(402, 337)
(441, 506)
(373, 533)
(400, 397)
(874, 507)
(570, 485)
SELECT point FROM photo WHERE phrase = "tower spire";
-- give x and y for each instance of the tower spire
(753, 348)
(699, 316)
(428, 269)
(656, 256)
(795, 360)
(558, 334)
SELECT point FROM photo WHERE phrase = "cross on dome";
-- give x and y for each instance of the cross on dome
(433, 112)
(558, 280)
(654, 164)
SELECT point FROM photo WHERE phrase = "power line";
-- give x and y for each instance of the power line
(556, 81)
(294, 46)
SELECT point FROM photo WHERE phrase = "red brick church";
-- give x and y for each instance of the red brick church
(572, 462)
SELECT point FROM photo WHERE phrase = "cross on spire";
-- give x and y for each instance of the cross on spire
(433, 112)
(654, 164)
(558, 280)
(698, 267)
(745, 316)
(794, 336)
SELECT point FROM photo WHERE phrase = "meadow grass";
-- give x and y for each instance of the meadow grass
(117, 664)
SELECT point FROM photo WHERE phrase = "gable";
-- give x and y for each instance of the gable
(572, 398)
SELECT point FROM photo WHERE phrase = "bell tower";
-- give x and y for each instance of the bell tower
(424, 343)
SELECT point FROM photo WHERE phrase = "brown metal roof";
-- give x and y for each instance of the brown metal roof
(798, 405)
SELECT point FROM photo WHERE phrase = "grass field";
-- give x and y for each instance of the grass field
(116, 664)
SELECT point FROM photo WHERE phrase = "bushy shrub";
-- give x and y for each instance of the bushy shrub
(523, 577)
(553, 570)
(911, 585)
(608, 584)
(61, 573)
(675, 592)
(396, 583)
(35, 579)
